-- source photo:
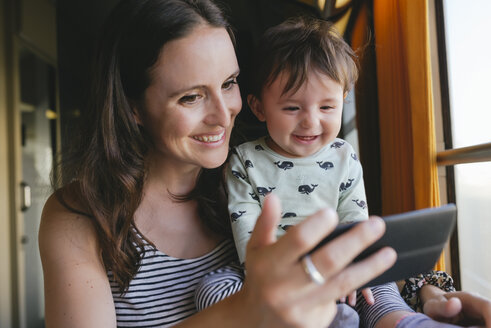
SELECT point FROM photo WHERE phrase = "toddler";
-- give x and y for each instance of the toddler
(302, 74)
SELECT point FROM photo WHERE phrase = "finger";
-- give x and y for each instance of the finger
(359, 273)
(340, 252)
(368, 295)
(264, 232)
(352, 298)
(303, 237)
(442, 308)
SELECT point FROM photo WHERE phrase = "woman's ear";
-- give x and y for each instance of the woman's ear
(256, 107)
(136, 115)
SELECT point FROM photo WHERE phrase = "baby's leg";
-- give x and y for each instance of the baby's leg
(346, 317)
(217, 285)
(387, 300)
(417, 320)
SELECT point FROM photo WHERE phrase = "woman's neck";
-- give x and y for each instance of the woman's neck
(167, 178)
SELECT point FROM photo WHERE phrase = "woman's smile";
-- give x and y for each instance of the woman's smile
(210, 138)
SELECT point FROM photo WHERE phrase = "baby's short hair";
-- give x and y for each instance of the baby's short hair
(298, 45)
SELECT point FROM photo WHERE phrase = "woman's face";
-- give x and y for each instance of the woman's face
(193, 99)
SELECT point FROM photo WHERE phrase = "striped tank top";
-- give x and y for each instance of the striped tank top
(162, 292)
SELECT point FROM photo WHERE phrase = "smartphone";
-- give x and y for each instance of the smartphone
(418, 237)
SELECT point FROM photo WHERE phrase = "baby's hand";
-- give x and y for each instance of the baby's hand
(367, 293)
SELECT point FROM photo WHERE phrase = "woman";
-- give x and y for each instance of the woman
(139, 219)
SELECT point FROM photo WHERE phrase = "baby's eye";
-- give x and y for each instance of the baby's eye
(327, 107)
(189, 99)
(229, 84)
(291, 108)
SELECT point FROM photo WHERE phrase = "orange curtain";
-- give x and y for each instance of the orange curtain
(407, 134)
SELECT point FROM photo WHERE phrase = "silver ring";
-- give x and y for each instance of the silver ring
(312, 271)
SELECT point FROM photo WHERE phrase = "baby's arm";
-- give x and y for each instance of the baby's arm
(243, 202)
(352, 205)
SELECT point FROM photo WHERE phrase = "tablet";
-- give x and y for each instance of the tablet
(418, 237)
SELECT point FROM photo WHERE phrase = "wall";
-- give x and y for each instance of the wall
(5, 248)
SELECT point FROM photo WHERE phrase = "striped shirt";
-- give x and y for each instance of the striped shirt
(387, 300)
(162, 292)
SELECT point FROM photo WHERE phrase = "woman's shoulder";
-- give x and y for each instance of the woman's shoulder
(64, 227)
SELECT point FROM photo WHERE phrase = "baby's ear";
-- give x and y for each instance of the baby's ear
(256, 107)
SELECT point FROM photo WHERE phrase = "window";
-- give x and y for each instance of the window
(466, 29)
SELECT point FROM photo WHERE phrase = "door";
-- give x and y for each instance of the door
(38, 145)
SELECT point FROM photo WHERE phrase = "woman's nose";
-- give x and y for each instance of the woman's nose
(218, 112)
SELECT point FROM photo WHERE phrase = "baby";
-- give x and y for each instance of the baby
(302, 74)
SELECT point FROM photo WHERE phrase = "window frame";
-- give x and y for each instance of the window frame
(452, 156)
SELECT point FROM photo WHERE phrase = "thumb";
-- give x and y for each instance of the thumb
(442, 308)
(264, 232)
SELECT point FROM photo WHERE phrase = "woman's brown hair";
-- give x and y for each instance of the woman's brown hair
(104, 168)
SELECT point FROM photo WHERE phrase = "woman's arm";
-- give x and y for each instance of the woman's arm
(277, 292)
(77, 291)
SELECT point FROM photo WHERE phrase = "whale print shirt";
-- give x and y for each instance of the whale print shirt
(332, 177)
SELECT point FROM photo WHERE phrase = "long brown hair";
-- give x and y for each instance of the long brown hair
(104, 169)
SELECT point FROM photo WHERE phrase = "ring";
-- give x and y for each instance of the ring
(312, 271)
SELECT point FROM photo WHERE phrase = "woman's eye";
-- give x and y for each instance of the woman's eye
(229, 84)
(189, 99)
(291, 108)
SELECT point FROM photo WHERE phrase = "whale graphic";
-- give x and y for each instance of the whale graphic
(306, 189)
(238, 175)
(325, 165)
(248, 164)
(286, 165)
(289, 215)
(353, 156)
(285, 227)
(235, 216)
(337, 144)
(344, 186)
(360, 203)
(259, 147)
(254, 196)
(264, 191)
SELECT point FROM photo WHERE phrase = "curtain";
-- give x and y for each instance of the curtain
(409, 175)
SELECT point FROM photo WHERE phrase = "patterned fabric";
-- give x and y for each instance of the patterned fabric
(218, 285)
(346, 317)
(419, 320)
(331, 177)
(412, 286)
(162, 292)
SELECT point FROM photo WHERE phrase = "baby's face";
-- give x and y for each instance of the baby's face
(300, 123)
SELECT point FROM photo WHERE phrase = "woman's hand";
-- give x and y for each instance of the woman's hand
(278, 290)
(462, 308)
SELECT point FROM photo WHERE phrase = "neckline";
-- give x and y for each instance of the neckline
(263, 143)
(161, 253)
